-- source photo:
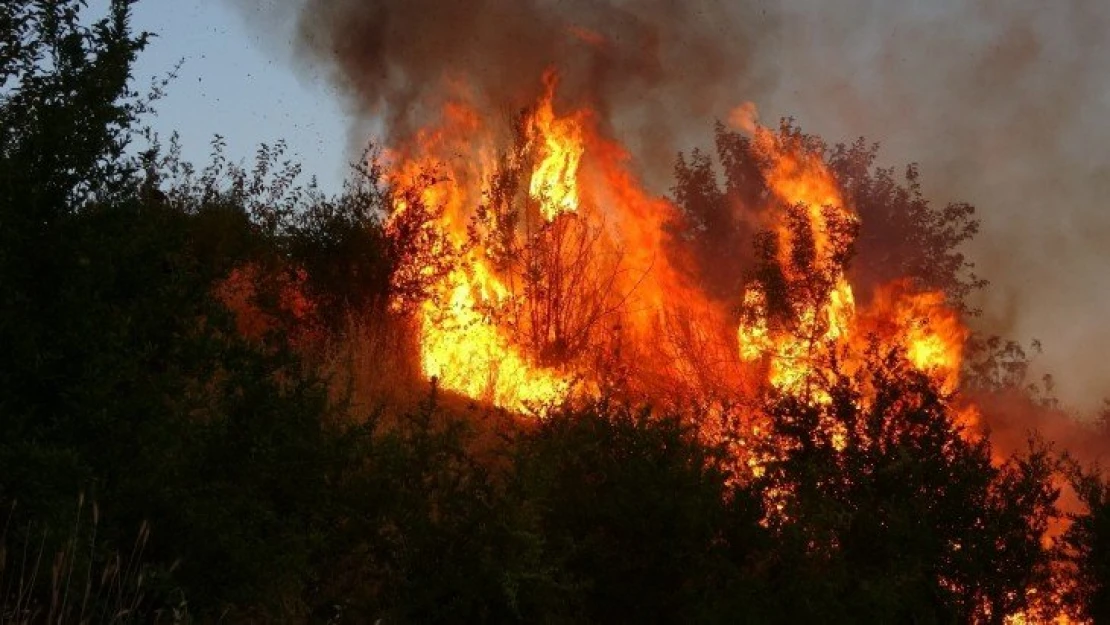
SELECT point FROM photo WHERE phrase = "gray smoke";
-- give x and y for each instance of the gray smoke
(1004, 103)
(650, 68)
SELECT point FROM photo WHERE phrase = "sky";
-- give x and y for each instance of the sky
(1003, 104)
(240, 85)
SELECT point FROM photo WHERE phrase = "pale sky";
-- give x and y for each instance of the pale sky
(233, 84)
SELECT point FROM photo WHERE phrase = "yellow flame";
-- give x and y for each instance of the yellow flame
(467, 353)
(554, 181)
(798, 178)
(462, 343)
(920, 322)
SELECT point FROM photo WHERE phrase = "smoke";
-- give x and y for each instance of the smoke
(1003, 103)
(636, 63)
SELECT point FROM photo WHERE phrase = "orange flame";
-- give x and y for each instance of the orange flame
(555, 179)
(798, 178)
(479, 336)
(930, 332)
(481, 332)
(921, 323)
(461, 345)
(468, 354)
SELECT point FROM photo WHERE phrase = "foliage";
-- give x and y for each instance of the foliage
(637, 514)
(425, 530)
(895, 513)
(87, 584)
(902, 234)
(1087, 545)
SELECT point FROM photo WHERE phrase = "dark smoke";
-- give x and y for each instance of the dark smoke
(1005, 103)
(649, 68)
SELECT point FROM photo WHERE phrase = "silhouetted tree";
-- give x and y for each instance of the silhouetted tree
(892, 513)
(901, 234)
(639, 516)
(1087, 547)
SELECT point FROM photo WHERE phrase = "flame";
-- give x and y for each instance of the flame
(921, 323)
(461, 345)
(468, 354)
(571, 283)
(794, 354)
(1023, 618)
(555, 323)
(928, 329)
(555, 179)
(543, 294)
(798, 178)
(534, 309)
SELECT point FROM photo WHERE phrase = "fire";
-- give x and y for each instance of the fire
(549, 274)
(553, 287)
(466, 353)
(825, 319)
(931, 332)
(552, 284)
(799, 180)
(461, 345)
(1026, 619)
(555, 179)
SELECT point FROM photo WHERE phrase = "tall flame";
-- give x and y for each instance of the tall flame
(920, 323)
(798, 178)
(537, 303)
(529, 313)
(554, 181)
(466, 353)
(461, 345)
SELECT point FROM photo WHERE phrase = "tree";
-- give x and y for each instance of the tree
(892, 513)
(123, 375)
(639, 517)
(708, 223)
(65, 115)
(901, 234)
(1087, 546)
(426, 530)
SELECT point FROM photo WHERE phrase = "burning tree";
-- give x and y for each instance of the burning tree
(558, 263)
(560, 271)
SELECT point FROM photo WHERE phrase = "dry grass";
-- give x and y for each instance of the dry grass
(84, 586)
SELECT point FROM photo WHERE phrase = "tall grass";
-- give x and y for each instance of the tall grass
(82, 582)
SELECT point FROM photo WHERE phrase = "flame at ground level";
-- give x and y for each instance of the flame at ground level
(467, 354)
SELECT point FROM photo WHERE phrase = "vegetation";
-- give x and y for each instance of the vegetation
(172, 360)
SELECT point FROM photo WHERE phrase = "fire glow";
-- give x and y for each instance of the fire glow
(571, 277)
